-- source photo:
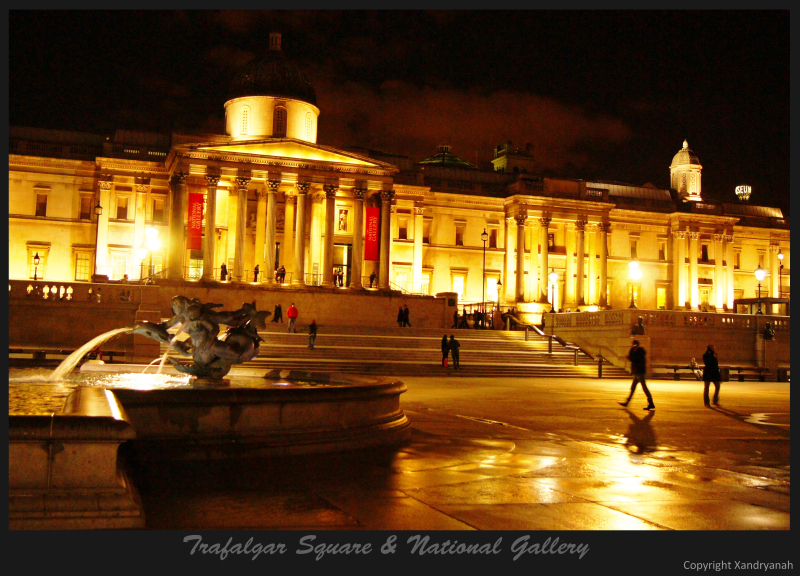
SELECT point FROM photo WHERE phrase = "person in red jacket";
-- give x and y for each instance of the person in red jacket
(292, 313)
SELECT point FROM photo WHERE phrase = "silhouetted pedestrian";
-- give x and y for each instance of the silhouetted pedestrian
(400, 317)
(711, 374)
(277, 316)
(406, 321)
(281, 274)
(223, 272)
(455, 319)
(636, 355)
(454, 345)
(255, 273)
(445, 350)
(312, 334)
(292, 313)
(372, 279)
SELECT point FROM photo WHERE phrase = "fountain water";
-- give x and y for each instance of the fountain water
(72, 360)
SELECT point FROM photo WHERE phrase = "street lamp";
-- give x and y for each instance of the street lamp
(36, 267)
(553, 276)
(780, 275)
(98, 211)
(760, 275)
(484, 238)
(635, 274)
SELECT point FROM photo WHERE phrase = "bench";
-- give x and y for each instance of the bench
(41, 353)
(675, 368)
(762, 372)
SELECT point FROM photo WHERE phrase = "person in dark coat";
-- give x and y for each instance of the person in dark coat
(454, 345)
(406, 321)
(372, 279)
(445, 349)
(711, 374)
(636, 355)
(312, 334)
(277, 316)
(400, 317)
(255, 273)
(223, 272)
(455, 319)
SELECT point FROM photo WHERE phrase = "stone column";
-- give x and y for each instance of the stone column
(261, 234)
(729, 272)
(210, 232)
(299, 275)
(241, 221)
(101, 250)
(327, 254)
(570, 265)
(358, 238)
(580, 228)
(603, 229)
(519, 293)
(142, 187)
(177, 230)
(288, 232)
(315, 236)
(272, 212)
(386, 238)
(719, 280)
(419, 212)
(773, 270)
(695, 289)
(532, 242)
(543, 261)
(508, 259)
(591, 268)
(679, 268)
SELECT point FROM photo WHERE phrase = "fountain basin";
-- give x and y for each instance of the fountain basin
(282, 413)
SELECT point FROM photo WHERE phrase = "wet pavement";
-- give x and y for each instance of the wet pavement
(514, 454)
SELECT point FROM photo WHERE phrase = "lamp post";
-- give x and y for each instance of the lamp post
(635, 274)
(36, 261)
(760, 275)
(484, 238)
(98, 211)
(553, 276)
(780, 275)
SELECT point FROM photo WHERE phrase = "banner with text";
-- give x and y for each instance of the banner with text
(195, 232)
(371, 235)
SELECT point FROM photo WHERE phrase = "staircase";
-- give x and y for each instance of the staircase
(417, 352)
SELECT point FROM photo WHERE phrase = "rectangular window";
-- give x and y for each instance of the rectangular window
(122, 207)
(705, 296)
(761, 260)
(737, 259)
(551, 241)
(459, 282)
(119, 265)
(83, 266)
(633, 293)
(158, 210)
(425, 284)
(492, 237)
(86, 208)
(41, 205)
(460, 234)
(492, 290)
(402, 228)
(35, 271)
(634, 248)
(426, 232)
(195, 270)
(662, 251)
(704, 252)
(661, 298)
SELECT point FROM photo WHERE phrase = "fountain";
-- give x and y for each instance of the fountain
(206, 417)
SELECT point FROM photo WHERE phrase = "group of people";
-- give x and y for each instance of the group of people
(710, 373)
(338, 278)
(292, 314)
(479, 319)
(280, 273)
(450, 347)
(402, 317)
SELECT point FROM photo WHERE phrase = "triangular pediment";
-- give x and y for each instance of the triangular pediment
(292, 150)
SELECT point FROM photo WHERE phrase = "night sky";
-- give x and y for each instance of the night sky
(600, 95)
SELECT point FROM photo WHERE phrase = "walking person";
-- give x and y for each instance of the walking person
(312, 334)
(406, 321)
(454, 345)
(281, 274)
(636, 355)
(255, 273)
(445, 350)
(455, 319)
(223, 272)
(400, 317)
(372, 278)
(711, 374)
(292, 313)
(277, 316)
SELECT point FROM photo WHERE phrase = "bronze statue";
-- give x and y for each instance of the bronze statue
(212, 355)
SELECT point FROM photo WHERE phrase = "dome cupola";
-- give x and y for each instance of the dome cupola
(685, 174)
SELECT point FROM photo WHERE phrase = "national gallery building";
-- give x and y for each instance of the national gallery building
(267, 196)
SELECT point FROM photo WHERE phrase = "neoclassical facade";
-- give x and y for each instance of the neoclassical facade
(267, 195)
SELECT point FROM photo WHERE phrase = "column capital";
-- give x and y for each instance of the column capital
(580, 225)
(359, 193)
(604, 226)
(330, 189)
(179, 177)
(393, 208)
(520, 219)
(142, 188)
(774, 248)
(719, 237)
(272, 186)
(302, 187)
(212, 180)
(105, 184)
(693, 235)
(728, 238)
(679, 234)
(242, 182)
(386, 195)
(420, 210)
(544, 221)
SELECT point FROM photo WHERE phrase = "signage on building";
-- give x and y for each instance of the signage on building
(371, 236)
(195, 229)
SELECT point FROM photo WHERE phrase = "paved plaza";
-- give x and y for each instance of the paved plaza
(515, 454)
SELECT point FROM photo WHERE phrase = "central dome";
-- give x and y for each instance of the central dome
(684, 156)
(272, 75)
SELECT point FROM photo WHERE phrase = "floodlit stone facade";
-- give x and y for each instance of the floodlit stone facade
(272, 196)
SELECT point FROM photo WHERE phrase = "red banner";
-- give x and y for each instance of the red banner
(195, 232)
(371, 235)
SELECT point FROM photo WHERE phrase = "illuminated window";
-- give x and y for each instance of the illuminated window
(492, 237)
(425, 284)
(633, 293)
(86, 208)
(661, 298)
(459, 282)
(761, 260)
(460, 234)
(33, 269)
(705, 295)
(122, 207)
(634, 248)
(737, 259)
(158, 210)
(402, 228)
(426, 232)
(492, 291)
(551, 241)
(119, 265)
(279, 122)
(83, 266)
(41, 204)
(704, 252)
(245, 120)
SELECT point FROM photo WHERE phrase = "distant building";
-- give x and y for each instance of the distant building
(267, 194)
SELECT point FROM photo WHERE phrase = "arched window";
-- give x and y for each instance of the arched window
(245, 120)
(309, 125)
(279, 122)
